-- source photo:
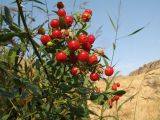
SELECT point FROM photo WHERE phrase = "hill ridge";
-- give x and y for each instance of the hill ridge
(146, 68)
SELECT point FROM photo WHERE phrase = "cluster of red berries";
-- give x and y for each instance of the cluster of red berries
(115, 85)
(77, 46)
(113, 97)
(116, 97)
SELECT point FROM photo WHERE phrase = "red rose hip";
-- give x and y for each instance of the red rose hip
(41, 31)
(54, 23)
(75, 70)
(116, 98)
(56, 34)
(89, 11)
(98, 91)
(86, 16)
(109, 71)
(114, 87)
(91, 39)
(83, 56)
(118, 84)
(45, 39)
(61, 13)
(110, 102)
(60, 5)
(87, 46)
(82, 38)
(61, 56)
(73, 45)
(94, 76)
(92, 59)
(68, 20)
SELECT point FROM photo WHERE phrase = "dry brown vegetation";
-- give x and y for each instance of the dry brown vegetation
(143, 89)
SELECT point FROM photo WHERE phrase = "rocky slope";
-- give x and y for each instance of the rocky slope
(143, 93)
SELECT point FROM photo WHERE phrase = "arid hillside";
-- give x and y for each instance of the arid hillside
(143, 94)
(146, 68)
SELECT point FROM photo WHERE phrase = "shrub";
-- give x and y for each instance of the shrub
(53, 80)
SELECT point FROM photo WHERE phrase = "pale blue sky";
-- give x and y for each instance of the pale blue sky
(132, 52)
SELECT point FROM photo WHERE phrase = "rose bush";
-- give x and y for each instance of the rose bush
(57, 80)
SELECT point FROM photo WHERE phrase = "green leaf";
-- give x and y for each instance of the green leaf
(119, 92)
(11, 56)
(15, 28)
(84, 32)
(65, 87)
(7, 37)
(136, 31)
(4, 66)
(100, 100)
(5, 117)
(94, 95)
(55, 12)
(105, 62)
(82, 29)
(105, 57)
(83, 91)
(107, 93)
(8, 15)
(5, 93)
(28, 84)
(59, 71)
(113, 25)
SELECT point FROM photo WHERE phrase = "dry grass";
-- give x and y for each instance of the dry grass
(144, 106)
